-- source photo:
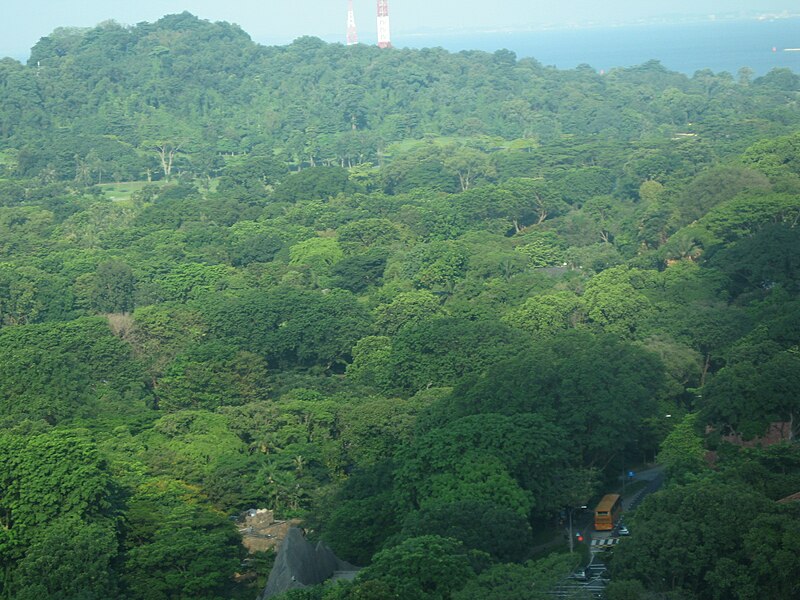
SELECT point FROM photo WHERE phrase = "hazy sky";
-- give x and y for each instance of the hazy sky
(23, 22)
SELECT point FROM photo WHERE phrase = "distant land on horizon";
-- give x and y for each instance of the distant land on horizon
(720, 42)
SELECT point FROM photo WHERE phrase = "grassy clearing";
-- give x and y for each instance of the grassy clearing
(122, 191)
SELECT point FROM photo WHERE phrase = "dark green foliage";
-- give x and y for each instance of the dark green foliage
(423, 355)
(360, 271)
(508, 539)
(422, 567)
(67, 370)
(747, 397)
(290, 326)
(723, 525)
(258, 247)
(113, 288)
(534, 580)
(714, 186)
(593, 386)
(175, 547)
(58, 505)
(364, 516)
(211, 375)
(69, 558)
(319, 183)
(756, 264)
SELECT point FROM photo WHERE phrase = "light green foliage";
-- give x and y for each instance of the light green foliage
(682, 452)
(774, 157)
(547, 313)
(371, 364)
(614, 303)
(188, 443)
(479, 477)
(188, 281)
(469, 164)
(541, 252)
(319, 254)
(745, 215)
(374, 429)
(405, 308)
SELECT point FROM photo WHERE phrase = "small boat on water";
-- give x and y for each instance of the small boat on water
(791, 49)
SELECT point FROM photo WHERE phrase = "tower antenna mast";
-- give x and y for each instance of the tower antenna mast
(352, 34)
(384, 37)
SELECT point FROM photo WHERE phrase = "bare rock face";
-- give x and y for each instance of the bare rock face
(299, 564)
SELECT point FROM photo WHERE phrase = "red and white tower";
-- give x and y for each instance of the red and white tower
(384, 38)
(352, 34)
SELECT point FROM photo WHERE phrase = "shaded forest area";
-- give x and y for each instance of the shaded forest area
(424, 301)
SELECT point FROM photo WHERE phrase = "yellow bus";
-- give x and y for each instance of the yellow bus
(607, 512)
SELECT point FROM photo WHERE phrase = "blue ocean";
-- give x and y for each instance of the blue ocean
(686, 48)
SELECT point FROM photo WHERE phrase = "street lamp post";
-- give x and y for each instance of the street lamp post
(571, 542)
(571, 535)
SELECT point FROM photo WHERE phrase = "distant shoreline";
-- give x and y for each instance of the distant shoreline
(566, 46)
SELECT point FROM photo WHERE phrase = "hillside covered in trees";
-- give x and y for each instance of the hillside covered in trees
(424, 301)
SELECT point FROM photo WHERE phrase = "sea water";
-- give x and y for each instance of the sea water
(686, 48)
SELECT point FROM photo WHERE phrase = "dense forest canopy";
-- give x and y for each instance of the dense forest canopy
(424, 301)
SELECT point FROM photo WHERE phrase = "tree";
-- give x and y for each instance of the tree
(405, 308)
(682, 452)
(465, 519)
(746, 397)
(83, 370)
(700, 553)
(535, 196)
(546, 314)
(360, 271)
(533, 580)
(422, 354)
(614, 303)
(167, 137)
(69, 558)
(523, 457)
(212, 375)
(113, 288)
(319, 254)
(469, 164)
(57, 509)
(318, 183)
(177, 548)
(596, 387)
(422, 567)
